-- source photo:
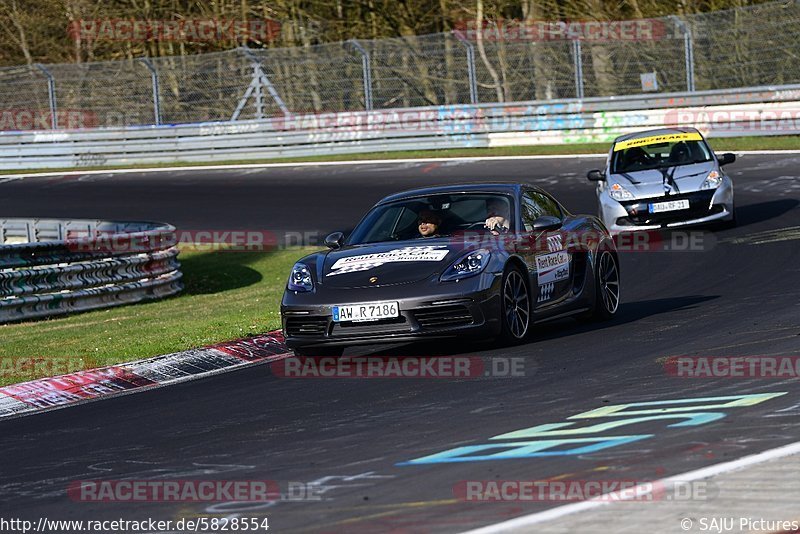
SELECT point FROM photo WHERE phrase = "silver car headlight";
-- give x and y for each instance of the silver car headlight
(712, 181)
(617, 192)
(467, 265)
(300, 279)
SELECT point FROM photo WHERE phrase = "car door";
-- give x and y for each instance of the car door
(549, 261)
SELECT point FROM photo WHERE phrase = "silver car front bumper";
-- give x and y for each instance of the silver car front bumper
(616, 217)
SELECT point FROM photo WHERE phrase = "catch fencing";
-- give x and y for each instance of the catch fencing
(475, 63)
(54, 267)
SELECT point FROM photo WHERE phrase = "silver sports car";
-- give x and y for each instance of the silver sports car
(663, 178)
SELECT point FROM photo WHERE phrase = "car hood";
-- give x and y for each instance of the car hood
(650, 183)
(390, 263)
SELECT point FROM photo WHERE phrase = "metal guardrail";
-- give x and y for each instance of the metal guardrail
(461, 126)
(52, 267)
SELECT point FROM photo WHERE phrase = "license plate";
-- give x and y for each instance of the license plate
(672, 205)
(370, 311)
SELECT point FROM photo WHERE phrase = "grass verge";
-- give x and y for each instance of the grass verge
(228, 295)
(731, 144)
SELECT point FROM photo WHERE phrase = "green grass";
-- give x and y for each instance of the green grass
(228, 295)
(786, 142)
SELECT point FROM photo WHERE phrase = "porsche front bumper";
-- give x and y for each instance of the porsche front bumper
(428, 309)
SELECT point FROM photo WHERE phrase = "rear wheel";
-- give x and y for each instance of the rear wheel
(516, 306)
(319, 351)
(606, 300)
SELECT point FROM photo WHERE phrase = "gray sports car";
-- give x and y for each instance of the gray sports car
(484, 260)
(664, 178)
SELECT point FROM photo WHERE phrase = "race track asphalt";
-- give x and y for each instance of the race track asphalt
(738, 296)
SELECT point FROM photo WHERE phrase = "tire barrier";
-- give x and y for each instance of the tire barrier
(52, 267)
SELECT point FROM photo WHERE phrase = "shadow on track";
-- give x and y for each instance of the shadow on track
(764, 211)
(628, 313)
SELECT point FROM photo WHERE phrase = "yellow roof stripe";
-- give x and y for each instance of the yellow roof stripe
(656, 139)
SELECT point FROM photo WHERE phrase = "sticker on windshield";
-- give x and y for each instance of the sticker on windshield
(552, 267)
(656, 139)
(365, 262)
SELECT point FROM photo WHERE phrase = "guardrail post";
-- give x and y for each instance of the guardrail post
(688, 51)
(577, 61)
(366, 73)
(473, 83)
(154, 80)
(259, 77)
(51, 93)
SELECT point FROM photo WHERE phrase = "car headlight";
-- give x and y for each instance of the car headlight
(300, 279)
(712, 181)
(467, 265)
(617, 192)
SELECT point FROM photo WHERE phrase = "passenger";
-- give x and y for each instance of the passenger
(497, 216)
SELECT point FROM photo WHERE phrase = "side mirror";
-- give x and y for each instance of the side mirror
(726, 158)
(596, 176)
(546, 223)
(334, 240)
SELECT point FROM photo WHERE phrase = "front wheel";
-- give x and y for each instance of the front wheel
(516, 306)
(606, 300)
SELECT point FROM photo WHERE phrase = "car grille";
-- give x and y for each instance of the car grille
(306, 326)
(443, 316)
(395, 325)
(699, 202)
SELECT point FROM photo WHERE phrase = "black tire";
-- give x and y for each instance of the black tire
(333, 351)
(515, 306)
(607, 287)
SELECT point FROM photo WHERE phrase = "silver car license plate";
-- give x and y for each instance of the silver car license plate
(672, 205)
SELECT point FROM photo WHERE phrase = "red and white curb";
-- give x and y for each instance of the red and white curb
(61, 391)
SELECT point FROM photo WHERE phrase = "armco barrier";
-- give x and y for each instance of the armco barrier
(52, 267)
(751, 111)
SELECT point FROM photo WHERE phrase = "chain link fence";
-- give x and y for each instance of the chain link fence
(744, 47)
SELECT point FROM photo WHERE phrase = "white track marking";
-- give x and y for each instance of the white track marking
(628, 494)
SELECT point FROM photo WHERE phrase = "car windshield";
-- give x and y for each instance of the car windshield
(431, 216)
(659, 155)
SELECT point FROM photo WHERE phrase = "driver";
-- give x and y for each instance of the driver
(497, 214)
(636, 157)
(429, 223)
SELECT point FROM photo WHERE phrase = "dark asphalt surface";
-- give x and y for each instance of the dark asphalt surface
(735, 298)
